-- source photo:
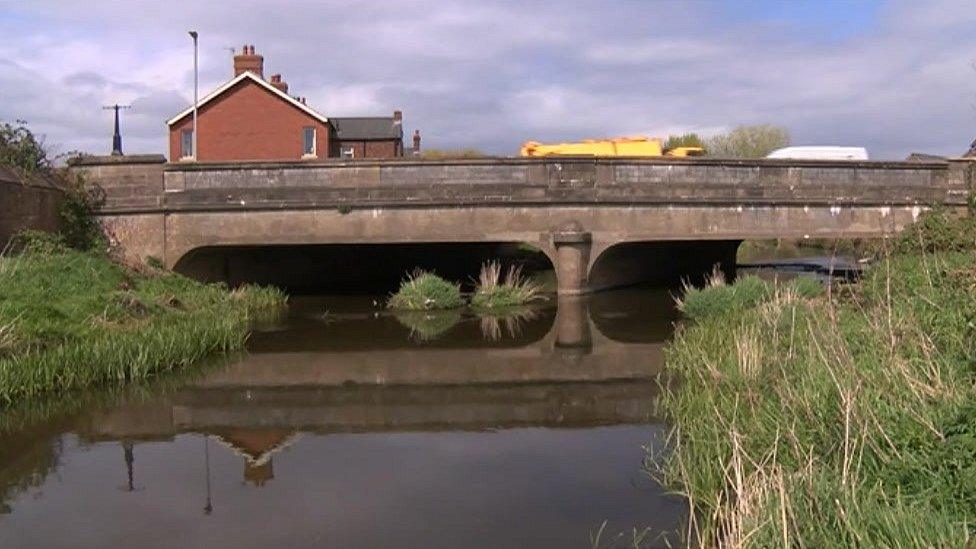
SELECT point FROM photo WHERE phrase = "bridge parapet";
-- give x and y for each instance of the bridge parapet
(148, 186)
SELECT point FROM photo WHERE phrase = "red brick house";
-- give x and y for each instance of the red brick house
(250, 118)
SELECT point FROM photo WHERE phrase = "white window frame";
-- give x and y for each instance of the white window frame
(183, 156)
(314, 153)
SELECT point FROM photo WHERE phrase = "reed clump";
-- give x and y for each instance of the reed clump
(494, 291)
(424, 291)
(71, 319)
(845, 419)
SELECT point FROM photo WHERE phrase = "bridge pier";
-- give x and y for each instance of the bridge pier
(572, 245)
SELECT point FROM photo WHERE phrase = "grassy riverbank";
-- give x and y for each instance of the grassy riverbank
(71, 319)
(845, 419)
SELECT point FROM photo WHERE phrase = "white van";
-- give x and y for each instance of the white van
(821, 153)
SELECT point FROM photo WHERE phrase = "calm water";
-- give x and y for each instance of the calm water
(346, 426)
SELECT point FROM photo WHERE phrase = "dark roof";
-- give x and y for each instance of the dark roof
(367, 127)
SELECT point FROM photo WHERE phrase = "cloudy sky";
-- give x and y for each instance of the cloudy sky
(895, 76)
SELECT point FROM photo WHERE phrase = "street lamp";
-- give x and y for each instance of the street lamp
(194, 35)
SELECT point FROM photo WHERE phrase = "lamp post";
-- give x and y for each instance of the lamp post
(194, 35)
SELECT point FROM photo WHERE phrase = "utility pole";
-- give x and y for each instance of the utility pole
(196, 88)
(117, 136)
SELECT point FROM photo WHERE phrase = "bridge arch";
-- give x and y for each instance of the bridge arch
(663, 262)
(351, 267)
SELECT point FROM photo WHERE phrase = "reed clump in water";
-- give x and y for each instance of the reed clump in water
(845, 419)
(493, 291)
(71, 319)
(424, 291)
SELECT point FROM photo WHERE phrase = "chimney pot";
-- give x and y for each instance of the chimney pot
(398, 115)
(416, 142)
(277, 82)
(248, 61)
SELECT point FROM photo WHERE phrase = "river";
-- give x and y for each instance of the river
(348, 426)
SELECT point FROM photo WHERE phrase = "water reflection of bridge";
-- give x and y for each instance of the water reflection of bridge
(574, 375)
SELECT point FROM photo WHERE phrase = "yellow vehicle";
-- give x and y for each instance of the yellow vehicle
(685, 151)
(619, 146)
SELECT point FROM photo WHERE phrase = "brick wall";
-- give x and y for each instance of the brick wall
(27, 205)
(249, 122)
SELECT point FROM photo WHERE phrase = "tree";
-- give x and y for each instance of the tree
(20, 149)
(685, 140)
(748, 141)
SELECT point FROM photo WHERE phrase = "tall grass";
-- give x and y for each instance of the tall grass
(846, 419)
(493, 291)
(73, 319)
(423, 290)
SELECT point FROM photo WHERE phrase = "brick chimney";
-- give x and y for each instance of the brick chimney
(277, 82)
(247, 60)
(416, 143)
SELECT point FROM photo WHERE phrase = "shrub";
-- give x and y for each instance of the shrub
(81, 229)
(492, 292)
(937, 231)
(423, 290)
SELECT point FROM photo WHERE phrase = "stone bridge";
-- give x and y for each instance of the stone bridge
(601, 221)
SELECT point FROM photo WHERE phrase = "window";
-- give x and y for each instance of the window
(347, 152)
(308, 141)
(186, 144)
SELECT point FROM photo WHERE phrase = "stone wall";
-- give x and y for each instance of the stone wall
(27, 203)
(130, 182)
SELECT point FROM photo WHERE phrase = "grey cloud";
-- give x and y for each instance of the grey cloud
(493, 74)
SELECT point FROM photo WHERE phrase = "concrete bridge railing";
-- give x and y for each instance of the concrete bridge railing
(592, 217)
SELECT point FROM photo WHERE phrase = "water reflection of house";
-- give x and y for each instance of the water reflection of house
(256, 446)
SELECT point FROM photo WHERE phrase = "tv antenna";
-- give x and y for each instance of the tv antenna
(117, 136)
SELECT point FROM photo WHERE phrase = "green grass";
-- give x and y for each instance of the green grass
(422, 291)
(492, 291)
(71, 319)
(834, 420)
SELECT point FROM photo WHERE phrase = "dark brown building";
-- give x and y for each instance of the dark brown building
(367, 137)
